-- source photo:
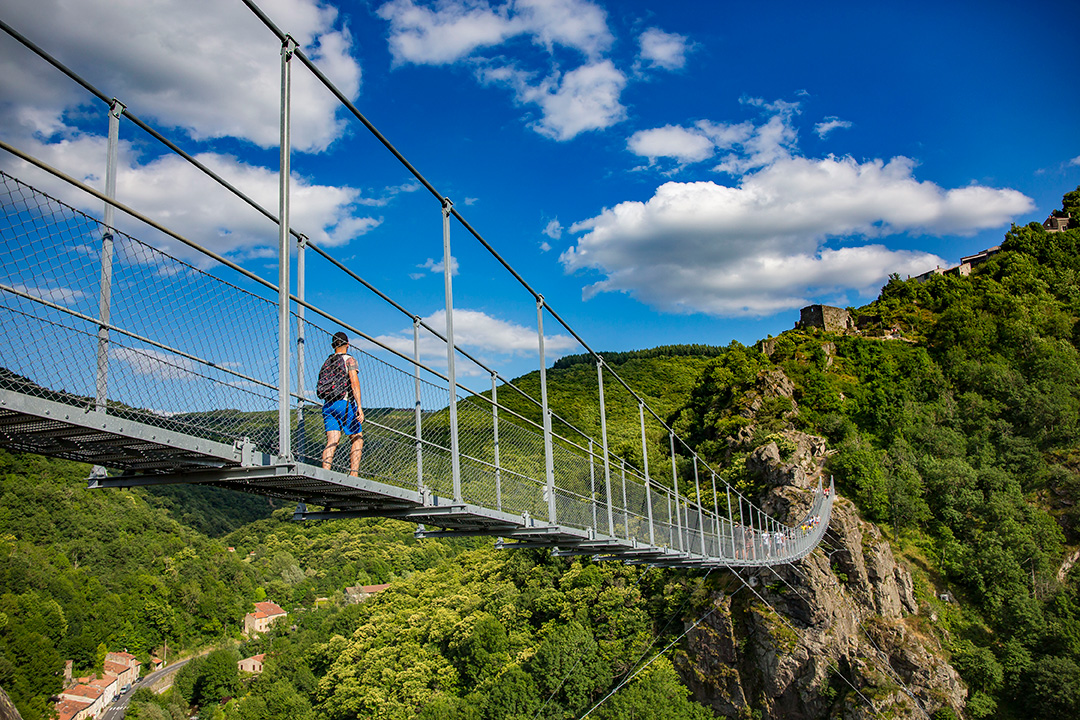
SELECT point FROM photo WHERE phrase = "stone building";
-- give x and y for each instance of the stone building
(825, 317)
(265, 615)
(253, 664)
(125, 666)
(360, 593)
(1058, 221)
(81, 701)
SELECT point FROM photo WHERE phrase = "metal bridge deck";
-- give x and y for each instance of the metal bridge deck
(147, 455)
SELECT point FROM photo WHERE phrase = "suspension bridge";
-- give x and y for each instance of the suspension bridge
(163, 369)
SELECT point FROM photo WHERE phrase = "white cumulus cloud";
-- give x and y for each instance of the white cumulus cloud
(664, 50)
(583, 99)
(451, 30)
(554, 229)
(170, 190)
(684, 145)
(478, 333)
(199, 70)
(761, 246)
(829, 124)
(748, 145)
(570, 102)
(207, 67)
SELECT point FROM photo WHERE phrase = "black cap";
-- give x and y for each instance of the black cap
(340, 339)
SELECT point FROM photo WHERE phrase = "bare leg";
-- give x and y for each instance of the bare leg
(332, 438)
(354, 454)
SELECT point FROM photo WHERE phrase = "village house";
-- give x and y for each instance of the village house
(360, 593)
(73, 709)
(107, 684)
(265, 615)
(963, 269)
(125, 666)
(253, 664)
(87, 697)
(85, 700)
(1057, 222)
(826, 317)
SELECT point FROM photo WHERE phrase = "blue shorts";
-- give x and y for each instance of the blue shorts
(340, 416)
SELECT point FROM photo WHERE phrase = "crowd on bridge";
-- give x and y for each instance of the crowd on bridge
(753, 544)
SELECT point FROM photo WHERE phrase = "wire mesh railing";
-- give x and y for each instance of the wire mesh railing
(101, 320)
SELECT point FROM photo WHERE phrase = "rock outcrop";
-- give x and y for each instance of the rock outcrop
(835, 635)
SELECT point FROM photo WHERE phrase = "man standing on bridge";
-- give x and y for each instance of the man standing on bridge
(339, 389)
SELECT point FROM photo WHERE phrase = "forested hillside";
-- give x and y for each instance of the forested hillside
(962, 438)
(951, 420)
(85, 572)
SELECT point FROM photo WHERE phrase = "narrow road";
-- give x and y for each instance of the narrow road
(119, 706)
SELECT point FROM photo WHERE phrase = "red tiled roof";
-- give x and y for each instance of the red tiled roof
(87, 691)
(125, 655)
(67, 709)
(115, 668)
(374, 588)
(103, 682)
(269, 608)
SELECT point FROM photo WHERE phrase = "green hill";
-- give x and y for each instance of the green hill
(962, 437)
(953, 416)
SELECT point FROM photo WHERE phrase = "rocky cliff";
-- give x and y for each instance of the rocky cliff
(835, 635)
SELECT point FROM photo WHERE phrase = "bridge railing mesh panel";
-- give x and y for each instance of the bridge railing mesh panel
(184, 349)
(188, 348)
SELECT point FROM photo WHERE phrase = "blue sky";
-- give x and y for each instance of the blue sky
(663, 173)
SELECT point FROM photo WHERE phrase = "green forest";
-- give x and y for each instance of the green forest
(953, 416)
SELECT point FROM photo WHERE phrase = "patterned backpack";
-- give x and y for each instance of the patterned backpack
(333, 378)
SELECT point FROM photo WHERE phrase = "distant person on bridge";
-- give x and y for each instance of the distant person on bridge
(339, 389)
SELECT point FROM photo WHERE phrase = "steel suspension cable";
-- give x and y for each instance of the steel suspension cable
(653, 659)
(862, 627)
(348, 104)
(89, 87)
(399, 156)
(580, 659)
(792, 629)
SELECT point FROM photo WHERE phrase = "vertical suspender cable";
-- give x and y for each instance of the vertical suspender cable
(288, 47)
(301, 289)
(675, 484)
(495, 436)
(451, 373)
(603, 437)
(549, 460)
(418, 408)
(105, 304)
(645, 462)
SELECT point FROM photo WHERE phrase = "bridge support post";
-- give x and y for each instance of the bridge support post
(645, 462)
(700, 510)
(549, 460)
(301, 290)
(116, 109)
(418, 409)
(592, 484)
(288, 47)
(675, 485)
(603, 440)
(626, 509)
(495, 435)
(731, 516)
(716, 516)
(455, 458)
(742, 531)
